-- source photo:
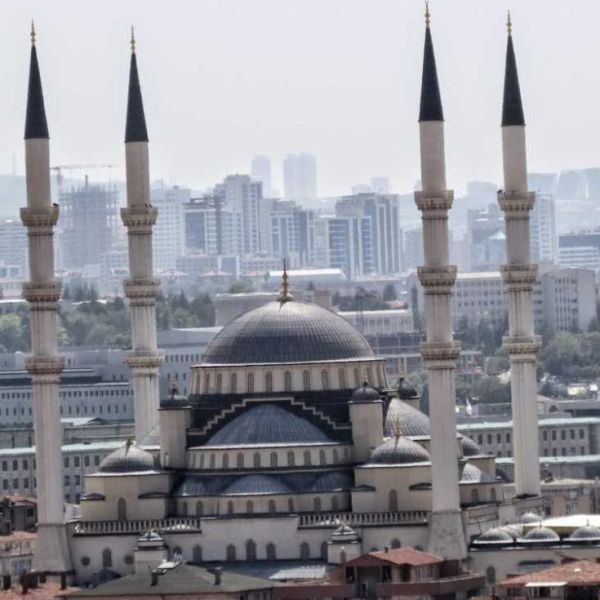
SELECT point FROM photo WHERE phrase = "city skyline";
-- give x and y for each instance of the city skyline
(352, 105)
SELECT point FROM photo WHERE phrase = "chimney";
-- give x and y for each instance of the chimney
(154, 574)
(6, 582)
(63, 581)
(218, 573)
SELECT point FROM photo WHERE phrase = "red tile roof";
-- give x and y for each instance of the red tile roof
(580, 572)
(45, 591)
(407, 556)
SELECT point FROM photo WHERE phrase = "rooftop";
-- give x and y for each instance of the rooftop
(550, 422)
(580, 572)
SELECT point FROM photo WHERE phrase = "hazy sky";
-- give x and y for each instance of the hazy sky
(225, 79)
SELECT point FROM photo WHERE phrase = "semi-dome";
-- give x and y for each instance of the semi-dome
(529, 518)
(409, 420)
(365, 393)
(256, 484)
(540, 535)
(336, 480)
(406, 391)
(399, 451)
(127, 459)
(287, 332)
(267, 424)
(494, 537)
(472, 474)
(585, 535)
(469, 447)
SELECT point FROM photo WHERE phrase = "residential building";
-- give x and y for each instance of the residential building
(486, 239)
(413, 248)
(13, 250)
(542, 230)
(300, 177)
(579, 257)
(260, 170)
(293, 233)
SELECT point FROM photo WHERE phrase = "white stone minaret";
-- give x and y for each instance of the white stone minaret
(519, 277)
(45, 365)
(141, 288)
(439, 351)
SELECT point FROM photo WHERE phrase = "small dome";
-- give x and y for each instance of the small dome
(287, 332)
(473, 474)
(192, 486)
(412, 422)
(406, 391)
(540, 535)
(585, 534)
(469, 447)
(399, 451)
(515, 530)
(495, 536)
(365, 393)
(530, 518)
(332, 481)
(267, 424)
(127, 459)
(256, 484)
(344, 533)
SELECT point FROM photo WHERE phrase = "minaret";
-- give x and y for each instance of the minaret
(141, 288)
(519, 276)
(45, 365)
(439, 351)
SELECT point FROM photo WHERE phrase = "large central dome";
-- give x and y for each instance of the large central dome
(287, 332)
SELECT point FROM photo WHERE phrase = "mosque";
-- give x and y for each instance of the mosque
(293, 445)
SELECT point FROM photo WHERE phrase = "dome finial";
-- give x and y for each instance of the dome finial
(32, 34)
(427, 14)
(285, 295)
(508, 23)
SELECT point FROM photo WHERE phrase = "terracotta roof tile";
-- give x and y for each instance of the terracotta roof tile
(581, 572)
(407, 556)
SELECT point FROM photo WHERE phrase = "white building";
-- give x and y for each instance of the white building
(380, 322)
(260, 169)
(300, 177)
(579, 257)
(542, 230)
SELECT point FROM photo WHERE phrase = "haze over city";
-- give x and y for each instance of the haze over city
(339, 79)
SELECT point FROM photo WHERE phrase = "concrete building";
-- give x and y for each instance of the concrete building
(169, 233)
(300, 177)
(292, 233)
(260, 170)
(380, 322)
(486, 240)
(580, 257)
(542, 230)
(13, 250)
(413, 248)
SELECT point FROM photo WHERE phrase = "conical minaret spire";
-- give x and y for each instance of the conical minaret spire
(45, 365)
(141, 288)
(519, 275)
(439, 351)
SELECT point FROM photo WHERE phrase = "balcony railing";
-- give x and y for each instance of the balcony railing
(362, 519)
(136, 526)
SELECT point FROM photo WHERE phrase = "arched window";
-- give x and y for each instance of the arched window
(197, 554)
(207, 383)
(212, 461)
(474, 495)
(490, 575)
(291, 459)
(268, 381)
(184, 509)
(304, 551)
(323, 551)
(271, 552)
(272, 507)
(393, 501)
(256, 460)
(226, 461)
(106, 558)
(291, 505)
(307, 460)
(240, 460)
(273, 459)
(356, 377)
(250, 550)
(219, 383)
(334, 504)
(230, 553)
(342, 379)
(287, 381)
(396, 543)
(177, 554)
(250, 383)
(199, 508)
(249, 507)
(322, 458)
(121, 509)
(230, 507)
(317, 504)
(306, 380)
(233, 383)
(325, 379)
(336, 457)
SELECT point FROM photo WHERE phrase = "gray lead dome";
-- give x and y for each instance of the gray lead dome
(287, 332)
(128, 459)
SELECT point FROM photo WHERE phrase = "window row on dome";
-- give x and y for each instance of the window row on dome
(211, 380)
(261, 505)
(268, 458)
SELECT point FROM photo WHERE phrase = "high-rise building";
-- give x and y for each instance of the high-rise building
(13, 246)
(542, 230)
(169, 233)
(348, 245)
(486, 240)
(293, 233)
(260, 169)
(87, 225)
(413, 248)
(381, 236)
(300, 177)
(542, 183)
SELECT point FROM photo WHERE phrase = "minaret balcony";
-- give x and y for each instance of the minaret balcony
(40, 220)
(516, 205)
(519, 278)
(141, 292)
(437, 280)
(440, 355)
(139, 219)
(522, 348)
(434, 204)
(42, 295)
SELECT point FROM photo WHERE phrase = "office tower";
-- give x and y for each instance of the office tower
(293, 233)
(260, 170)
(486, 241)
(300, 177)
(542, 230)
(13, 246)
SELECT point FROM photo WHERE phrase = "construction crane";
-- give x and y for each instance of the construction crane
(60, 168)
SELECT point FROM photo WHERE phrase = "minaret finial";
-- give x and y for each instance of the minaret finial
(32, 34)
(132, 42)
(427, 13)
(285, 295)
(509, 24)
